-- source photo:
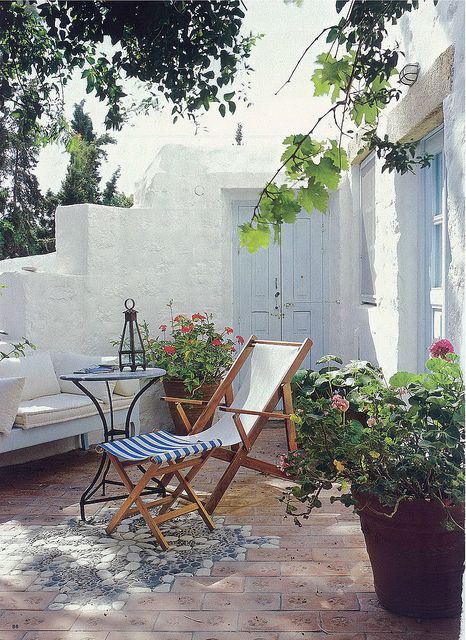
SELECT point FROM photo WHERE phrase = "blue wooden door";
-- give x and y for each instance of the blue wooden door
(278, 293)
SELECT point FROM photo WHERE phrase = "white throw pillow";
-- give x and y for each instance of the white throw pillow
(38, 371)
(127, 388)
(67, 362)
(10, 397)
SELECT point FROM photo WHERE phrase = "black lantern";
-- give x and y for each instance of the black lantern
(410, 73)
(131, 353)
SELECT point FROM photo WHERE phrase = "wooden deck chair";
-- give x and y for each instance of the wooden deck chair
(272, 366)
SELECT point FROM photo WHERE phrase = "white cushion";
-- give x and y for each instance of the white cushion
(51, 409)
(127, 387)
(10, 396)
(60, 408)
(67, 362)
(38, 371)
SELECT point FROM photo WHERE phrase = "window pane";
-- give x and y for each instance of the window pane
(437, 184)
(367, 197)
(437, 323)
(437, 256)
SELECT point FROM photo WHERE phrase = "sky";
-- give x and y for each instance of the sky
(287, 30)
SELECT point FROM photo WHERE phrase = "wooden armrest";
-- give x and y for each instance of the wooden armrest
(183, 400)
(268, 414)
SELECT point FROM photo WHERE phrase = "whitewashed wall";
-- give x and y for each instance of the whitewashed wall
(389, 331)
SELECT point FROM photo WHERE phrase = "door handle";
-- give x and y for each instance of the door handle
(277, 295)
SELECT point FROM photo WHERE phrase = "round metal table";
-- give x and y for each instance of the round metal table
(100, 479)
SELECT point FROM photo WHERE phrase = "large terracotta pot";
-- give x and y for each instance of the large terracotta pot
(417, 563)
(176, 389)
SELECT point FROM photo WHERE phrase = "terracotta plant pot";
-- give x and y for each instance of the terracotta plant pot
(417, 564)
(176, 389)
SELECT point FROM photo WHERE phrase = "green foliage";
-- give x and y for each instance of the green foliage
(356, 74)
(20, 197)
(397, 441)
(114, 198)
(191, 349)
(185, 53)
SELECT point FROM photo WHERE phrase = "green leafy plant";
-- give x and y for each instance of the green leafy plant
(357, 73)
(16, 349)
(191, 349)
(407, 441)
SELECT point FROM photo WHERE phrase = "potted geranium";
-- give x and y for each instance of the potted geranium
(195, 355)
(400, 464)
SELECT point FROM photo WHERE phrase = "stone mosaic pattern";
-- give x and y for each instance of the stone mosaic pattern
(90, 568)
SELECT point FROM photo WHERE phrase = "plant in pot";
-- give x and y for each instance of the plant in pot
(195, 356)
(400, 464)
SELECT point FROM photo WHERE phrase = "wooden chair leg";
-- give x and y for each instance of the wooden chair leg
(133, 491)
(225, 480)
(195, 498)
(289, 424)
(188, 477)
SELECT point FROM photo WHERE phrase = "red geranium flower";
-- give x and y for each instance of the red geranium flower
(240, 339)
(163, 327)
(188, 328)
(198, 316)
(440, 348)
(228, 330)
(217, 342)
(178, 318)
(170, 350)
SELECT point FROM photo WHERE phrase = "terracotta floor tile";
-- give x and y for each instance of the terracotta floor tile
(314, 569)
(16, 583)
(26, 600)
(413, 636)
(279, 555)
(189, 585)
(115, 621)
(235, 635)
(241, 601)
(318, 601)
(287, 541)
(298, 635)
(362, 621)
(197, 620)
(279, 621)
(351, 555)
(324, 584)
(246, 568)
(164, 602)
(12, 635)
(31, 620)
(66, 635)
(150, 635)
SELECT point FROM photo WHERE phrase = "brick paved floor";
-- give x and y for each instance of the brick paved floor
(316, 586)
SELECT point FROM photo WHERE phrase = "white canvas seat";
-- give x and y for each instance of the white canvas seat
(272, 365)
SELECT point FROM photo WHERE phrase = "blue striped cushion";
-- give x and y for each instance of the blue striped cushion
(160, 446)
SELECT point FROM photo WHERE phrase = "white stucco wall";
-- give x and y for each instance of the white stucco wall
(390, 331)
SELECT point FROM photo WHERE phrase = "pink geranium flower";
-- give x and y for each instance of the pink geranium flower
(163, 327)
(170, 350)
(440, 348)
(240, 339)
(340, 403)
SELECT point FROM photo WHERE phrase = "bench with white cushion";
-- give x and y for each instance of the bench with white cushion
(36, 407)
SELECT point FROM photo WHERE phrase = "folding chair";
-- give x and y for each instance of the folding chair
(266, 382)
